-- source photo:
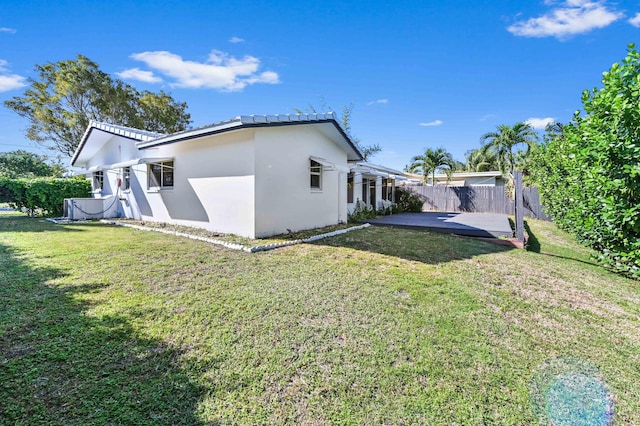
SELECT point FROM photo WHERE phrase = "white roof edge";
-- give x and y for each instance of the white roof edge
(248, 120)
(193, 133)
(366, 165)
(128, 132)
(237, 122)
(286, 118)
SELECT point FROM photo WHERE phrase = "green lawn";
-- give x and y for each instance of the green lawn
(108, 325)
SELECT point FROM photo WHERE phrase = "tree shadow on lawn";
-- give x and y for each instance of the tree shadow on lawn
(416, 245)
(59, 365)
(533, 244)
(24, 223)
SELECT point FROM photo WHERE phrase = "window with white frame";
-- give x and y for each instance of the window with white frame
(98, 181)
(126, 178)
(315, 171)
(161, 174)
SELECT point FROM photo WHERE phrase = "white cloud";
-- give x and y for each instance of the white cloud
(139, 75)
(10, 81)
(7, 30)
(635, 21)
(432, 123)
(539, 123)
(220, 71)
(235, 39)
(570, 18)
(488, 117)
(379, 101)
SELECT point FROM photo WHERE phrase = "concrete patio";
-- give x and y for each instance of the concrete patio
(488, 225)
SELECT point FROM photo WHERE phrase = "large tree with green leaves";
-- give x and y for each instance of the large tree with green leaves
(431, 161)
(505, 139)
(24, 164)
(67, 94)
(588, 171)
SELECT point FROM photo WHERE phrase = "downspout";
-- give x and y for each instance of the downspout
(339, 196)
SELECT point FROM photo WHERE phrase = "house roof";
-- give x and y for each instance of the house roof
(104, 131)
(363, 165)
(326, 123)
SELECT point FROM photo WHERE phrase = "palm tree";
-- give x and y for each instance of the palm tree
(432, 161)
(479, 161)
(505, 138)
(554, 130)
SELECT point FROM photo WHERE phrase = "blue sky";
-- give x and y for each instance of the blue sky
(421, 74)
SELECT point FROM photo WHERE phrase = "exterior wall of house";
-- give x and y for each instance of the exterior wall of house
(357, 191)
(213, 185)
(358, 179)
(250, 182)
(116, 149)
(284, 197)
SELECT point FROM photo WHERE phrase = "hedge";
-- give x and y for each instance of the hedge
(46, 194)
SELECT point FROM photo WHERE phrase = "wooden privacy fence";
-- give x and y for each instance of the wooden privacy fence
(480, 199)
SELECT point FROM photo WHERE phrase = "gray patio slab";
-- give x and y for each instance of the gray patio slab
(469, 224)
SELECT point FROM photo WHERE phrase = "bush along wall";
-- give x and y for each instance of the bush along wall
(589, 175)
(45, 194)
(408, 201)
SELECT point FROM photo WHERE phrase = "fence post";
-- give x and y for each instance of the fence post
(519, 206)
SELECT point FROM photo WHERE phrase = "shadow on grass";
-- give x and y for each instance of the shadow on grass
(24, 223)
(416, 245)
(533, 244)
(59, 365)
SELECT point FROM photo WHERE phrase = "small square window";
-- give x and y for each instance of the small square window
(161, 175)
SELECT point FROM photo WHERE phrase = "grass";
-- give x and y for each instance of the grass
(109, 325)
(235, 239)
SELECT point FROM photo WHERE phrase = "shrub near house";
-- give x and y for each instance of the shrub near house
(589, 173)
(46, 194)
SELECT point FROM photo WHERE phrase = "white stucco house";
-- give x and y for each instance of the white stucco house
(253, 176)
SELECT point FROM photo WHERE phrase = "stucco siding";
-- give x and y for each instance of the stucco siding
(213, 185)
(284, 197)
(115, 150)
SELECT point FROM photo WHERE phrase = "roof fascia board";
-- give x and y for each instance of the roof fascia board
(249, 122)
(124, 132)
(365, 165)
(192, 134)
